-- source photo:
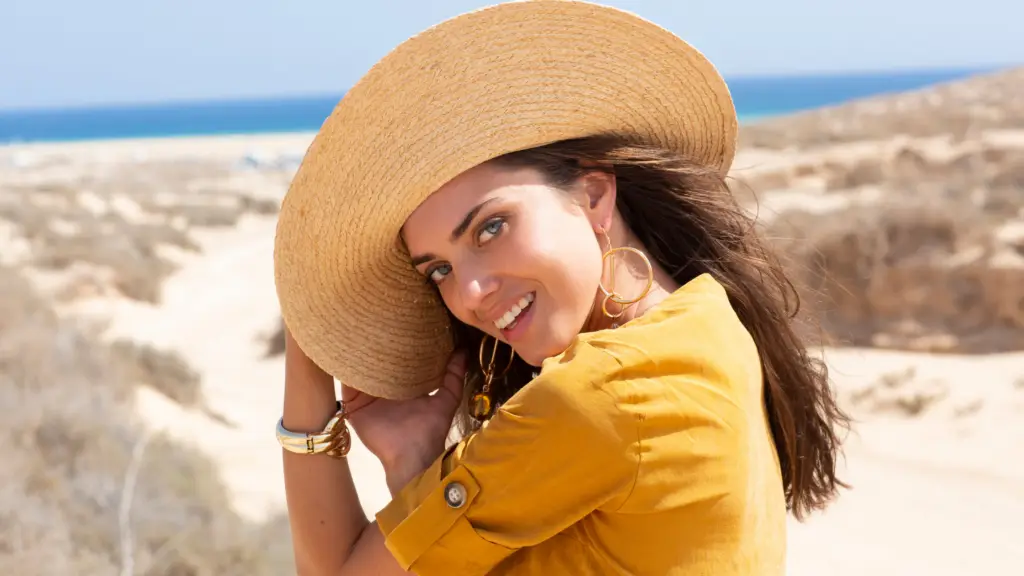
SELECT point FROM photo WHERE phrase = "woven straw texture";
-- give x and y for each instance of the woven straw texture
(496, 80)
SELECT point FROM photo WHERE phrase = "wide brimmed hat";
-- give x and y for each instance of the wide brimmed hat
(496, 80)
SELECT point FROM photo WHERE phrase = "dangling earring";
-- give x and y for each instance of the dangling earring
(481, 405)
(610, 295)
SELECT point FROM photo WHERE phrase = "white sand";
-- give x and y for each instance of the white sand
(938, 493)
(216, 312)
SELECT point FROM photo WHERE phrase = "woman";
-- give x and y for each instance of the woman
(518, 222)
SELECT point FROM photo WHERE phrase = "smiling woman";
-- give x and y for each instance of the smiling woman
(559, 258)
(495, 241)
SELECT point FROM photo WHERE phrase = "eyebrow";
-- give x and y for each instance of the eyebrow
(457, 232)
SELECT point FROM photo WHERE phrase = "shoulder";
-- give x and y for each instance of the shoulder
(693, 332)
(688, 364)
(689, 354)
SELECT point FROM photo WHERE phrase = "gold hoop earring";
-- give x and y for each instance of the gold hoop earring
(481, 406)
(610, 295)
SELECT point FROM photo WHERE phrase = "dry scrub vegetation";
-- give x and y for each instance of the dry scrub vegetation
(934, 264)
(83, 491)
(122, 226)
(927, 251)
(916, 276)
(902, 393)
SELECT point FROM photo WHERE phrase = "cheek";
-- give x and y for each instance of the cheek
(562, 256)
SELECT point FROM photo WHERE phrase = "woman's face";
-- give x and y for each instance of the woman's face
(512, 256)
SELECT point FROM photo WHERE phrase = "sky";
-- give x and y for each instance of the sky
(58, 53)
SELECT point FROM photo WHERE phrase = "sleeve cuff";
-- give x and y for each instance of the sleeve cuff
(419, 489)
(406, 501)
(429, 514)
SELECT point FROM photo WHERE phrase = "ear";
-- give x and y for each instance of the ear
(599, 194)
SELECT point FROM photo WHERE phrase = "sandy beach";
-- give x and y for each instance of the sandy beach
(167, 244)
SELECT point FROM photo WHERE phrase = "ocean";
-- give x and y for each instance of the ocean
(755, 98)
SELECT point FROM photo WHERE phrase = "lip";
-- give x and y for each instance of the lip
(522, 323)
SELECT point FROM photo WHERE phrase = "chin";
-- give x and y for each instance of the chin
(530, 356)
(535, 355)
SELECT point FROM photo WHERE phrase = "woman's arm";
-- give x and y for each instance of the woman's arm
(330, 532)
(561, 448)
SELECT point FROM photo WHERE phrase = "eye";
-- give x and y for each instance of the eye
(490, 229)
(438, 273)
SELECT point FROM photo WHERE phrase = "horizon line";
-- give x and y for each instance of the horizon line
(285, 97)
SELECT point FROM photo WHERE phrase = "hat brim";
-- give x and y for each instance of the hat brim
(489, 82)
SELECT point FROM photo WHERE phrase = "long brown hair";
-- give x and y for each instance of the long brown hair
(691, 225)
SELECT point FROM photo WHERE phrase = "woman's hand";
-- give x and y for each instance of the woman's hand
(407, 435)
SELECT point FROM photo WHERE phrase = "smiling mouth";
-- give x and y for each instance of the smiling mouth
(511, 317)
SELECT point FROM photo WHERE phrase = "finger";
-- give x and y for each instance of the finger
(355, 399)
(453, 383)
(348, 393)
(457, 364)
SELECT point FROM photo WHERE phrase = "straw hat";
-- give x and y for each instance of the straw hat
(492, 81)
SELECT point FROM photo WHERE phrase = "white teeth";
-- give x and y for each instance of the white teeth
(513, 312)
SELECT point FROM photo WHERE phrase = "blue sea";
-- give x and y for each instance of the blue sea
(755, 98)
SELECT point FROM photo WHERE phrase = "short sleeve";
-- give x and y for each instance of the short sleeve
(560, 449)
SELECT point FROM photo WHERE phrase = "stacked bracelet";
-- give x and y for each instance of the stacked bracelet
(334, 440)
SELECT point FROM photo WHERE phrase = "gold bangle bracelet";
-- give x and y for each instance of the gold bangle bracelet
(334, 440)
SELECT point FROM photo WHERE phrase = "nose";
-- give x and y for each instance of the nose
(475, 284)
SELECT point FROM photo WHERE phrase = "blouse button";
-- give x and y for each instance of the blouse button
(455, 495)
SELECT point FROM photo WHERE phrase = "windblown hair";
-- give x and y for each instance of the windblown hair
(690, 223)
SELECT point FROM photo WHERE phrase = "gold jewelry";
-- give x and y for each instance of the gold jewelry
(481, 405)
(610, 295)
(334, 440)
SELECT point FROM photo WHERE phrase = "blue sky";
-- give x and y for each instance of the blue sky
(75, 52)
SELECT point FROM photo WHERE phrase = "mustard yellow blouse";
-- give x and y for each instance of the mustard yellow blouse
(640, 450)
